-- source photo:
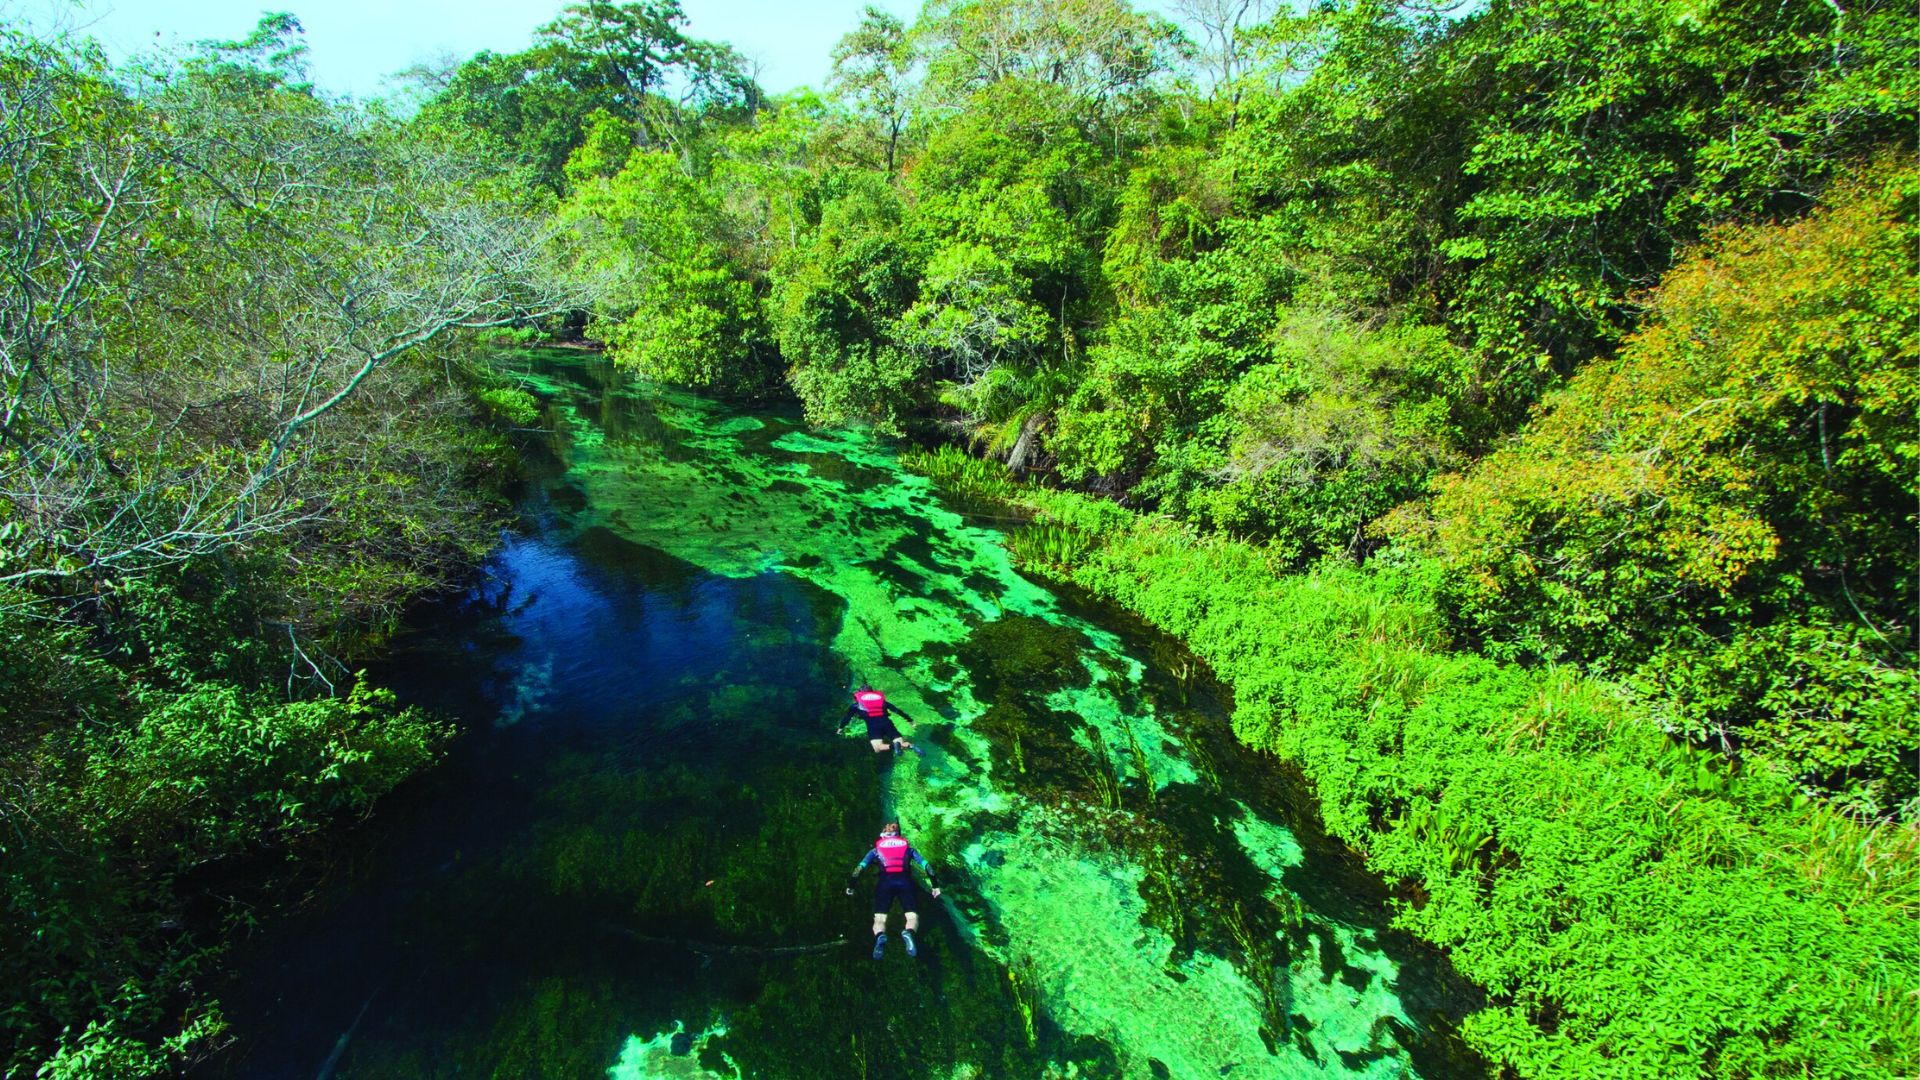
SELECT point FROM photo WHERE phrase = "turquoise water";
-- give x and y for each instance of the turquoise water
(632, 863)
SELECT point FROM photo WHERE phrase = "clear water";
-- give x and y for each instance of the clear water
(632, 863)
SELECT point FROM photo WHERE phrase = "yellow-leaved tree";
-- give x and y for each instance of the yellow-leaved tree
(1724, 515)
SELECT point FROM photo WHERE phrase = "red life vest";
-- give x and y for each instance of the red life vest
(893, 853)
(871, 702)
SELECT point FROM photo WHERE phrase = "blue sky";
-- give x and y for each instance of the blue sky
(356, 43)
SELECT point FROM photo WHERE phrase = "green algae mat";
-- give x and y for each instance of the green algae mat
(632, 864)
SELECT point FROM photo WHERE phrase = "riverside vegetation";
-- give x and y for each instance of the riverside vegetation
(1514, 404)
(236, 435)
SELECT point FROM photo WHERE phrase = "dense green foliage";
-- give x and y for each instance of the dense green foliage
(236, 435)
(1724, 516)
(119, 819)
(1635, 907)
(593, 63)
(1304, 298)
(1276, 306)
(1587, 328)
(1594, 320)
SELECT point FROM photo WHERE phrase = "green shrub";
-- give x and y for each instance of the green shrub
(1048, 544)
(110, 814)
(511, 405)
(1634, 907)
(213, 769)
(1723, 516)
(961, 474)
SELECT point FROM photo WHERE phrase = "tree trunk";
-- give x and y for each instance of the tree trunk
(1023, 446)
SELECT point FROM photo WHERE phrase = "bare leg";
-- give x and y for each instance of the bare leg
(880, 746)
(913, 924)
(880, 923)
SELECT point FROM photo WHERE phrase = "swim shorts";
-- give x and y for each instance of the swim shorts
(893, 887)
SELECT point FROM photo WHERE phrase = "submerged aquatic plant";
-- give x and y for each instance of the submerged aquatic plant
(1140, 764)
(1200, 757)
(1266, 963)
(1100, 771)
(1176, 660)
(1160, 880)
(1023, 979)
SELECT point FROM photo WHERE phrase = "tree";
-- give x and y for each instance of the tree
(872, 68)
(676, 304)
(618, 52)
(1344, 424)
(1609, 135)
(1103, 55)
(1224, 52)
(229, 216)
(972, 315)
(236, 434)
(615, 59)
(1724, 514)
(836, 297)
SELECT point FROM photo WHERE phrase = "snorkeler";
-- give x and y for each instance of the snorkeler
(893, 853)
(872, 706)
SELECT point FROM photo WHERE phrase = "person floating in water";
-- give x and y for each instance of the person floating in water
(893, 853)
(872, 706)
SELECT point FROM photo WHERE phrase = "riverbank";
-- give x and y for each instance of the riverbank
(1633, 907)
(185, 746)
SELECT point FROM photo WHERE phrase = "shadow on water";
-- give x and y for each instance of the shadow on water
(632, 862)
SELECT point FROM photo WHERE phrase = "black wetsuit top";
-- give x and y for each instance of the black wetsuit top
(894, 886)
(878, 727)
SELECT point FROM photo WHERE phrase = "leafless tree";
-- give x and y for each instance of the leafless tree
(1223, 52)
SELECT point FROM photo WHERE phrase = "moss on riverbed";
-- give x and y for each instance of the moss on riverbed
(1127, 894)
(1056, 777)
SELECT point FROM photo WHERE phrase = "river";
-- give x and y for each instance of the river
(632, 862)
